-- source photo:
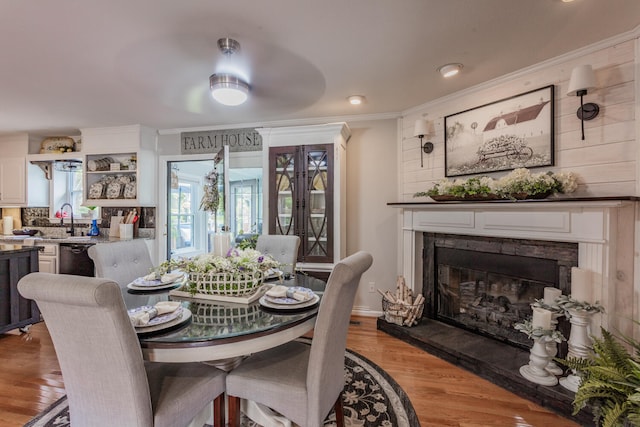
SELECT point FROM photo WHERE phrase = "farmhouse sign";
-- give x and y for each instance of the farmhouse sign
(212, 141)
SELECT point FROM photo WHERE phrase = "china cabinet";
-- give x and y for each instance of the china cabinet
(307, 190)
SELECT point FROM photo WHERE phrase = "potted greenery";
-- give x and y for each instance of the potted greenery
(610, 381)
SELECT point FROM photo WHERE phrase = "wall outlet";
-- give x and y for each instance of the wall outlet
(372, 286)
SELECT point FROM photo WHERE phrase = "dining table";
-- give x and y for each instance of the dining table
(222, 333)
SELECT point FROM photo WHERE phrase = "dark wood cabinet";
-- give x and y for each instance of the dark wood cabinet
(301, 191)
(306, 192)
(15, 263)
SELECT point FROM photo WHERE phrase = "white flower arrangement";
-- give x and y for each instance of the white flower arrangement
(518, 183)
(237, 265)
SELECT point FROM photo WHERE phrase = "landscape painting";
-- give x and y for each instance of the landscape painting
(510, 133)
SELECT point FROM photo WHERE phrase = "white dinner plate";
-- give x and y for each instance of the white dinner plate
(169, 280)
(158, 320)
(151, 288)
(313, 301)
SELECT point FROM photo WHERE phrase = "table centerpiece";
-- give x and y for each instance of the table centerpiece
(235, 277)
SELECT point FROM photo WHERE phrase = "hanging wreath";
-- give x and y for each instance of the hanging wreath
(211, 197)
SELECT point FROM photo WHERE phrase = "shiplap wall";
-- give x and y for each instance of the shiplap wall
(606, 161)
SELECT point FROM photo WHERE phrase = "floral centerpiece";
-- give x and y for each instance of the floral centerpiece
(237, 274)
(519, 184)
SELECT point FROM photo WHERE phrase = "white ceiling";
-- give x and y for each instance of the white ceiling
(71, 64)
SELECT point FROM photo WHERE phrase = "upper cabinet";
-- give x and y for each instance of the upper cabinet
(307, 190)
(119, 166)
(13, 170)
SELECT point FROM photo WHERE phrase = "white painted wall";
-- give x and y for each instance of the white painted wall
(371, 224)
(606, 161)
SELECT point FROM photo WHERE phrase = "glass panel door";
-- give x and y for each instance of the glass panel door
(189, 202)
(317, 204)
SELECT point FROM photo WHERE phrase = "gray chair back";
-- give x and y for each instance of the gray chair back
(122, 261)
(97, 347)
(282, 248)
(325, 376)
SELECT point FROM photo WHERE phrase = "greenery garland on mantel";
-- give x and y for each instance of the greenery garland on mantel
(518, 185)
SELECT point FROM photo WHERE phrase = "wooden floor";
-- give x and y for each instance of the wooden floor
(442, 394)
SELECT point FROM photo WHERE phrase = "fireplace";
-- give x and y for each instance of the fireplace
(486, 285)
(479, 265)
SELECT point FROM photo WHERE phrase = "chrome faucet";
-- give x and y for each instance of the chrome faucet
(71, 231)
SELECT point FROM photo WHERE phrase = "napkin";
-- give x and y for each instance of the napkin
(142, 317)
(150, 277)
(282, 291)
(171, 277)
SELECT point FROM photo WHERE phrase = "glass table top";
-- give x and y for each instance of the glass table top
(219, 322)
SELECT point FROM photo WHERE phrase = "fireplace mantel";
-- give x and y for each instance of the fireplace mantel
(603, 227)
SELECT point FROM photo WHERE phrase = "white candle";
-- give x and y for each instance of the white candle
(221, 244)
(581, 285)
(541, 318)
(550, 295)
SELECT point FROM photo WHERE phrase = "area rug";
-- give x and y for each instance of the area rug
(370, 398)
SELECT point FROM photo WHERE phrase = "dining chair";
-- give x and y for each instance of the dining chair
(105, 377)
(299, 381)
(122, 261)
(283, 248)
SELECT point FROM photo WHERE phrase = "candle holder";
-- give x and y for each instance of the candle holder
(535, 371)
(551, 345)
(580, 343)
(552, 348)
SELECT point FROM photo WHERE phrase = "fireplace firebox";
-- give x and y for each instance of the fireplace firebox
(486, 285)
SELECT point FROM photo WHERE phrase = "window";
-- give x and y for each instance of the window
(66, 187)
(182, 217)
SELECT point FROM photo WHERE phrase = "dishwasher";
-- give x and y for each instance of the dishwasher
(74, 259)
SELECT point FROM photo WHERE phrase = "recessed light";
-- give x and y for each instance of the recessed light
(356, 99)
(449, 70)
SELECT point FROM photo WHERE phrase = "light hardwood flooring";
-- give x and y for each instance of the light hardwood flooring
(442, 394)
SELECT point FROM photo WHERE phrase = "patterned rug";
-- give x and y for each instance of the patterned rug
(370, 398)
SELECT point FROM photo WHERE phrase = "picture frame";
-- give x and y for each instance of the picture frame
(514, 132)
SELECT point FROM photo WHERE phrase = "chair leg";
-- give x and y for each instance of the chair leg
(339, 411)
(234, 411)
(218, 411)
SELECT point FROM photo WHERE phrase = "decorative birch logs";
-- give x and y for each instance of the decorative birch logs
(401, 307)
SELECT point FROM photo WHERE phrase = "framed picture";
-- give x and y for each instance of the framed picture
(510, 133)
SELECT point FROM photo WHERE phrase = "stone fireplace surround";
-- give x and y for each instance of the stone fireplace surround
(603, 228)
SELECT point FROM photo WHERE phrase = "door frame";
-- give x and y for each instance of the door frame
(161, 218)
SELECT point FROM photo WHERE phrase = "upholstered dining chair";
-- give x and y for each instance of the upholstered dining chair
(121, 261)
(282, 248)
(299, 381)
(105, 377)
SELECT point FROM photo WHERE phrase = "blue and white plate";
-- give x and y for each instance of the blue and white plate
(158, 320)
(291, 301)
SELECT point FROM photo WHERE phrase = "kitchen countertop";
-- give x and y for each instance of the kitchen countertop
(28, 240)
(9, 249)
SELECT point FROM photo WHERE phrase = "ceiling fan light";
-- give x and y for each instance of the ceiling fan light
(228, 90)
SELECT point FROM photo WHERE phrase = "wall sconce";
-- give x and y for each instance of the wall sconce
(582, 79)
(421, 129)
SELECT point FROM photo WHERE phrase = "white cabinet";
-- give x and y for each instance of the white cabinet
(119, 178)
(13, 181)
(48, 259)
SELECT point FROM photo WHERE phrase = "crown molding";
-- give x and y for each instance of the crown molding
(292, 122)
